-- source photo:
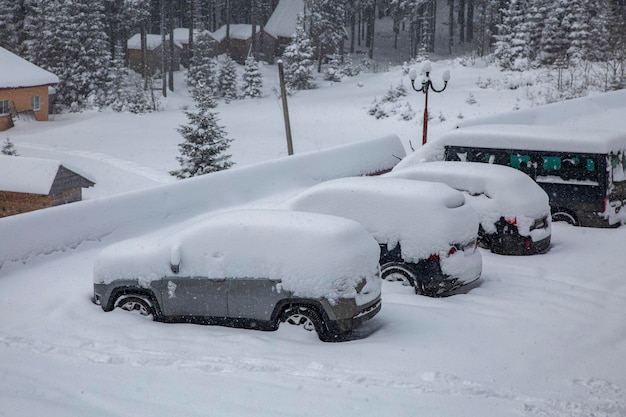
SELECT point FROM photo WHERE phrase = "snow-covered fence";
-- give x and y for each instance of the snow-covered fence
(66, 227)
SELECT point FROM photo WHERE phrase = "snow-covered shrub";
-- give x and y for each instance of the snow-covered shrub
(8, 148)
(389, 104)
(470, 99)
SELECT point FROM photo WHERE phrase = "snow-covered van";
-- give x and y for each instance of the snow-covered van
(583, 171)
(248, 268)
(426, 231)
(514, 211)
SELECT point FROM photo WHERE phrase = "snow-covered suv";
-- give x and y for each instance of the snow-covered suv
(248, 268)
(426, 232)
(514, 211)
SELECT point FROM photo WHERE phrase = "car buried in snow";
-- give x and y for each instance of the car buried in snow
(426, 231)
(248, 268)
(514, 211)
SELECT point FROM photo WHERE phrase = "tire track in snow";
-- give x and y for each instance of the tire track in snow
(597, 397)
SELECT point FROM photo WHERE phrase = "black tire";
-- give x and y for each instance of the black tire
(136, 303)
(398, 273)
(307, 318)
(564, 216)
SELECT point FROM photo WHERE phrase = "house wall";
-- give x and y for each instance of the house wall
(15, 203)
(153, 58)
(239, 48)
(21, 99)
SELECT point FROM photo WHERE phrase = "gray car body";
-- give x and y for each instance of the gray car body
(241, 301)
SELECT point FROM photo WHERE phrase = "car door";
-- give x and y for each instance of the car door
(254, 298)
(195, 296)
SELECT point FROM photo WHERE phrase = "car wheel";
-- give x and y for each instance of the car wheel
(306, 318)
(136, 304)
(398, 273)
(563, 216)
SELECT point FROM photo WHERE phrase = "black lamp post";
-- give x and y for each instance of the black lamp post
(427, 85)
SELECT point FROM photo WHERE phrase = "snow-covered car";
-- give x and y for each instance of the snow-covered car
(248, 268)
(514, 211)
(426, 232)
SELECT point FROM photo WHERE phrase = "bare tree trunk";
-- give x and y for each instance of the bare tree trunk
(461, 21)
(163, 53)
(228, 16)
(144, 54)
(451, 26)
(470, 21)
(172, 61)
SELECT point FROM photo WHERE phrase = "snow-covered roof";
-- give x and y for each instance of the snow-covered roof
(241, 31)
(17, 72)
(181, 35)
(530, 137)
(424, 217)
(29, 175)
(283, 21)
(312, 255)
(152, 41)
(494, 191)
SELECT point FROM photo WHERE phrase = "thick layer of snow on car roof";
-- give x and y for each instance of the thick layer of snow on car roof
(425, 218)
(312, 255)
(494, 191)
(531, 137)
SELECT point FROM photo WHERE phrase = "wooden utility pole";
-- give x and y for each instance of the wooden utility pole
(283, 94)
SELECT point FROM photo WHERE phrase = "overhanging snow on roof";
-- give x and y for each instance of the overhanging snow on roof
(16, 72)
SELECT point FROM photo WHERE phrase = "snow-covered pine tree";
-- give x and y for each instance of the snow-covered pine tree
(204, 148)
(227, 80)
(12, 19)
(252, 79)
(298, 57)
(514, 36)
(125, 91)
(554, 37)
(580, 17)
(71, 42)
(8, 148)
(203, 67)
(326, 26)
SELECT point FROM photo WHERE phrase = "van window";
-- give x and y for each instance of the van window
(518, 161)
(618, 166)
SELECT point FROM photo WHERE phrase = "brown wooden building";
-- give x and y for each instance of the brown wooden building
(28, 184)
(24, 90)
(154, 53)
(238, 43)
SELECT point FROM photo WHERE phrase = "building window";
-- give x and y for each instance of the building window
(35, 103)
(4, 107)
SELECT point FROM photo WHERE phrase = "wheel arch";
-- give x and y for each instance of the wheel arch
(125, 291)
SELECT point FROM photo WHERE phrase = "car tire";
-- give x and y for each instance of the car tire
(564, 216)
(307, 318)
(398, 273)
(136, 303)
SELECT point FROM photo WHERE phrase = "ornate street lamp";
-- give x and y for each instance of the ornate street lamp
(427, 85)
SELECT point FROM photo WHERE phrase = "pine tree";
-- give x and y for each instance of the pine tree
(298, 58)
(554, 39)
(203, 150)
(252, 79)
(69, 40)
(125, 91)
(203, 67)
(227, 80)
(8, 148)
(514, 35)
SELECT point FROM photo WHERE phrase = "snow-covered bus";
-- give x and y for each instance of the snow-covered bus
(583, 171)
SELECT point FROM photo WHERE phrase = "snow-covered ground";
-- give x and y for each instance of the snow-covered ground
(537, 336)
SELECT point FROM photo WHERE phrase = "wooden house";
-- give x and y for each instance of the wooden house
(28, 184)
(154, 53)
(282, 23)
(24, 90)
(238, 43)
(181, 36)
